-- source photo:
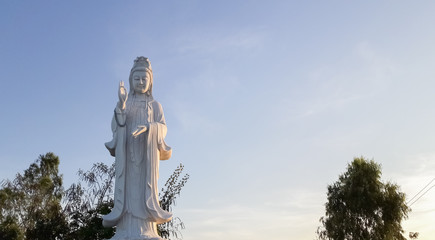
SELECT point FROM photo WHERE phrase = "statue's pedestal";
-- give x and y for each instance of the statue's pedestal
(133, 228)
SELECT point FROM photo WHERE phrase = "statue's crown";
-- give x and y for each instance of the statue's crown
(141, 62)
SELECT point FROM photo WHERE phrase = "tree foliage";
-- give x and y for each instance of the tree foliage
(361, 206)
(30, 205)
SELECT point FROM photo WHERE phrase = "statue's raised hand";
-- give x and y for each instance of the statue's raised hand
(122, 95)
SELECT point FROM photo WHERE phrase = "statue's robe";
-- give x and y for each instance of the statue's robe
(137, 162)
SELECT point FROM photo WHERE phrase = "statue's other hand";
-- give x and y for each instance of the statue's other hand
(139, 130)
(122, 93)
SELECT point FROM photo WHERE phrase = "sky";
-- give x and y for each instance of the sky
(266, 102)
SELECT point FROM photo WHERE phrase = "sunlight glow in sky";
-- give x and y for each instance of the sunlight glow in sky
(266, 101)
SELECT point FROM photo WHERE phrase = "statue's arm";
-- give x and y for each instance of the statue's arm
(159, 118)
(160, 130)
(119, 112)
(118, 121)
(119, 118)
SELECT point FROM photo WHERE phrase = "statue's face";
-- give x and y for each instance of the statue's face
(141, 81)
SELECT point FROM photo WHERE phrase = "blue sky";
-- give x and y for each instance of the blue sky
(265, 102)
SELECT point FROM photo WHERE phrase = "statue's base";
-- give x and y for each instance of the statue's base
(136, 238)
(140, 238)
(130, 227)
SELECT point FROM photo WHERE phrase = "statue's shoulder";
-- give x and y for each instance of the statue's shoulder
(156, 105)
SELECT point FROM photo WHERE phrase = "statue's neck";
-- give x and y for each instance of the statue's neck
(141, 97)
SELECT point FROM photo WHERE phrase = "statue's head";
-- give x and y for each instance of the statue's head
(141, 77)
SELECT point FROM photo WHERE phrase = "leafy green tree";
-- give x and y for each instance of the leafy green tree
(9, 229)
(361, 206)
(30, 204)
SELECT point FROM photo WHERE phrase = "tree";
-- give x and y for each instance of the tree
(30, 204)
(85, 204)
(361, 206)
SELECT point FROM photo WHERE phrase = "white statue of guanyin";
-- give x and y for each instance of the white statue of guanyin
(138, 145)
